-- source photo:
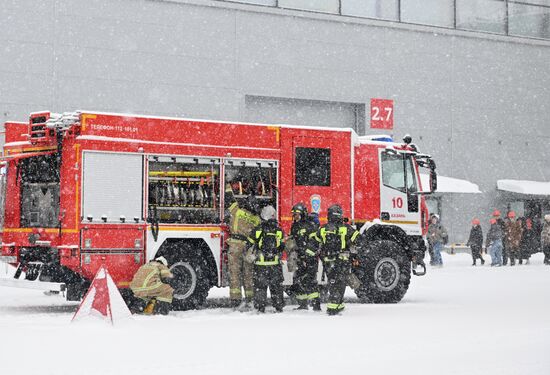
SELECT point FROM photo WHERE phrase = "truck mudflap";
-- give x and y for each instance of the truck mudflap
(419, 269)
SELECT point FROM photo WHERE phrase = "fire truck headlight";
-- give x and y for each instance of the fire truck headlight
(88, 243)
(87, 259)
(137, 258)
(137, 243)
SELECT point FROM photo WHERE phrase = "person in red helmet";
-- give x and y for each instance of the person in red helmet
(475, 241)
(494, 243)
(512, 237)
(529, 241)
(545, 239)
(502, 224)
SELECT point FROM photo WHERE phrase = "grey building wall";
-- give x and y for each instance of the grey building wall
(478, 103)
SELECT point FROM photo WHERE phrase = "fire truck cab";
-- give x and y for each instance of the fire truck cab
(86, 189)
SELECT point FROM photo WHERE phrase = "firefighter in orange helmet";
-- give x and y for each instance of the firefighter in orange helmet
(241, 222)
(512, 237)
(151, 284)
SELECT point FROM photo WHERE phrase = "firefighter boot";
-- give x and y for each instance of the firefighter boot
(150, 308)
(316, 304)
(163, 308)
(302, 304)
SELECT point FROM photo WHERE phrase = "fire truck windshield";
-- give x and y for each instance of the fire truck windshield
(398, 172)
(40, 191)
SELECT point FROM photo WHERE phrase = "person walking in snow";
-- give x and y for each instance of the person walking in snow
(502, 224)
(529, 243)
(475, 241)
(545, 239)
(512, 237)
(494, 243)
(268, 242)
(437, 237)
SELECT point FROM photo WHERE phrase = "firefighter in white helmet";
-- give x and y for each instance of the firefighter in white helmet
(268, 242)
(151, 285)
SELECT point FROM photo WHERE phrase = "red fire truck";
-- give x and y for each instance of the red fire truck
(86, 189)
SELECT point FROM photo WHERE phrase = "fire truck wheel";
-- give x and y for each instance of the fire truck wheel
(386, 273)
(190, 285)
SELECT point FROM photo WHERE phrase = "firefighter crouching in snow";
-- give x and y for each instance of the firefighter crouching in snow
(150, 284)
(241, 223)
(268, 246)
(299, 243)
(336, 239)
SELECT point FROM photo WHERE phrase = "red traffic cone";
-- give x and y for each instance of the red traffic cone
(103, 299)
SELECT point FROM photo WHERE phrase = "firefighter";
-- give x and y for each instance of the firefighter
(241, 223)
(267, 240)
(151, 285)
(305, 277)
(336, 240)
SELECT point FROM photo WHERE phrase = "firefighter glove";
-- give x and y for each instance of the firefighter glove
(250, 256)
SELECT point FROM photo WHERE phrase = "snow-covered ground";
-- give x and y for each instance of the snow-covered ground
(455, 320)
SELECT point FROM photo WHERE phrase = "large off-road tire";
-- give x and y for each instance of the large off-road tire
(190, 284)
(385, 272)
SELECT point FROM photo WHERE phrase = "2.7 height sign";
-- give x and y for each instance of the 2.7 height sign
(381, 114)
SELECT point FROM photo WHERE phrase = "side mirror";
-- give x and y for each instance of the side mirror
(433, 181)
(433, 176)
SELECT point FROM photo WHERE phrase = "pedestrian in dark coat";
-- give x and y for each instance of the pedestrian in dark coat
(545, 239)
(437, 237)
(494, 243)
(502, 224)
(529, 243)
(512, 237)
(475, 241)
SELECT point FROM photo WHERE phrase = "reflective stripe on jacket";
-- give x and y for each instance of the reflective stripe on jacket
(149, 276)
(241, 221)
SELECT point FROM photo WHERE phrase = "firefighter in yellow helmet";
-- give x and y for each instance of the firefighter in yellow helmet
(150, 284)
(241, 222)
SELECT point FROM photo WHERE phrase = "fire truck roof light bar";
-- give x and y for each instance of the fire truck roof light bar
(63, 121)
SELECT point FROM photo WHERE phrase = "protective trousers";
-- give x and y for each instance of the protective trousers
(163, 293)
(476, 253)
(305, 281)
(513, 254)
(268, 277)
(546, 251)
(337, 272)
(241, 273)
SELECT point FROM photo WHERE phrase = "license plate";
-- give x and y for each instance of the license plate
(8, 259)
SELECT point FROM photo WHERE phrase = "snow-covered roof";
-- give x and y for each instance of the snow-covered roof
(450, 185)
(524, 187)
